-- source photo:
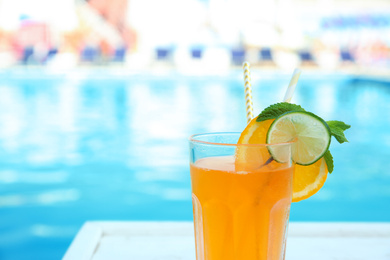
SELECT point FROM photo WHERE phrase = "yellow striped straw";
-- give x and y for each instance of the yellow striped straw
(248, 92)
(291, 87)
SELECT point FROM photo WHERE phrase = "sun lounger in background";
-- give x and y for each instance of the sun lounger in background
(265, 54)
(163, 54)
(89, 54)
(306, 57)
(27, 55)
(166, 57)
(196, 53)
(346, 56)
(119, 54)
(51, 54)
(238, 56)
(266, 57)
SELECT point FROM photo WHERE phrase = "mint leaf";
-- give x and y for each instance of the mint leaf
(275, 110)
(337, 129)
(329, 161)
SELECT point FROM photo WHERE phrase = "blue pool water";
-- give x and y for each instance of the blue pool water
(102, 145)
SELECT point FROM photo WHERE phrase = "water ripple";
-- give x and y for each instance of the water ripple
(44, 198)
(9, 176)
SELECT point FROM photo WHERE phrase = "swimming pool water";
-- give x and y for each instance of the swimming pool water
(102, 145)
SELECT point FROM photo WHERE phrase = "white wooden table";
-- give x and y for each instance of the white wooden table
(175, 241)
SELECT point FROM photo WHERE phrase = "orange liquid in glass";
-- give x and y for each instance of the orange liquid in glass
(240, 215)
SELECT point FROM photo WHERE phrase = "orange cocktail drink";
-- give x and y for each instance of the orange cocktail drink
(241, 206)
(243, 183)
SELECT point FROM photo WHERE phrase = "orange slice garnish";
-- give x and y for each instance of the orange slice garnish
(309, 179)
(250, 158)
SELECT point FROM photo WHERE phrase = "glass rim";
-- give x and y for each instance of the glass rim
(193, 140)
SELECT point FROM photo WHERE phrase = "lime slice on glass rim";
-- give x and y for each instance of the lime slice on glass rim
(312, 135)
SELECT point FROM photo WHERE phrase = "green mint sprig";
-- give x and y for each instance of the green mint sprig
(337, 128)
(329, 161)
(275, 110)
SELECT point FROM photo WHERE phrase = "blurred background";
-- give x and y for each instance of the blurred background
(327, 34)
(98, 99)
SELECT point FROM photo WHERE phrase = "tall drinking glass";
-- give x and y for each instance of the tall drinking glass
(241, 197)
